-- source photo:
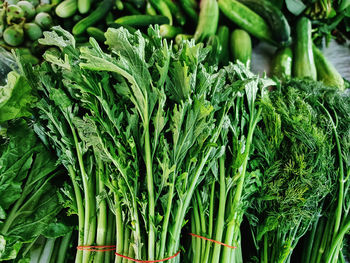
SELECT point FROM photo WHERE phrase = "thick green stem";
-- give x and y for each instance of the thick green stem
(90, 216)
(150, 190)
(220, 223)
(211, 222)
(119, 227)
(62, 252)
(197, 252)
(338, 213)
(266, 247)
(110, 234)
(126, 242)
(81, 213)
(337, 241)
(317, 241)
(193, 239)
(234, 224)
(47, 252)
(326, 238)
(166, 219)
(202, 223)
(174, 244)
(306, 256)
(102, 215)
(131, 253)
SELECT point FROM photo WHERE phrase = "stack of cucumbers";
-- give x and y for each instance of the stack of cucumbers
(231, 27)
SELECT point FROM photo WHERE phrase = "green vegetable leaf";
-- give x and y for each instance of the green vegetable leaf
(16, 98)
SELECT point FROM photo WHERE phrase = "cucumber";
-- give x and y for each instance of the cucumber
(131, 29)
(176, 11)
(84, 6)
(131, 9)
(214, 54)
(304, 64)
(150, 10)
(246, 19)
(142, 20)
(168, 31)
(182, 37)
(190, 9)
(326, 72)
(67, 8)
(45, 8)
(99, 13)
(274, 17)
(282, 63)
(224, 35)
(241, 47)
(96, 33)
(119, 5)
(208, 20)
(163, 9)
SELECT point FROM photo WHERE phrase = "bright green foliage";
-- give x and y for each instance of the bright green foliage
(15, 97)
(295, 151)
(142, 121)
(229, 175)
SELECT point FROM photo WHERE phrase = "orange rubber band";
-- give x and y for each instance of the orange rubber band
(212, 240)
(148, 261)
(97, 248)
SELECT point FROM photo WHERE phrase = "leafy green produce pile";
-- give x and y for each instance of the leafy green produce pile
(123, 144)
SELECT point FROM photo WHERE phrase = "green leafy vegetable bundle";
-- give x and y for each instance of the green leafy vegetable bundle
(138, 129)
(297, 151)
(224, 197)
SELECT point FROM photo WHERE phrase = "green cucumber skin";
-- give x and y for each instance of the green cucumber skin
(163, 9)
(66, 8)
(96, 33)
(241, 46)
(274, 17)
(190, 10)
(224, 36)
(84, 6)
(326, 72)
(282, 63)
(142, 20)
(208, 20)
(304, 64)
(176, 11)
(246, 19)
(99, 13)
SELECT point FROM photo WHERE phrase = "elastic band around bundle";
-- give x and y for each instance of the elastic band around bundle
(212, 240)
(97, 248)
(148, 261)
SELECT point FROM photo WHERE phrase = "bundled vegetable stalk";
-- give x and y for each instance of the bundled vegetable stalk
(294, 151)
(143, 122)
(325, 241)
(218, 216)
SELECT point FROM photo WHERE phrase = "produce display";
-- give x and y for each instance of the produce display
(135, 131)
